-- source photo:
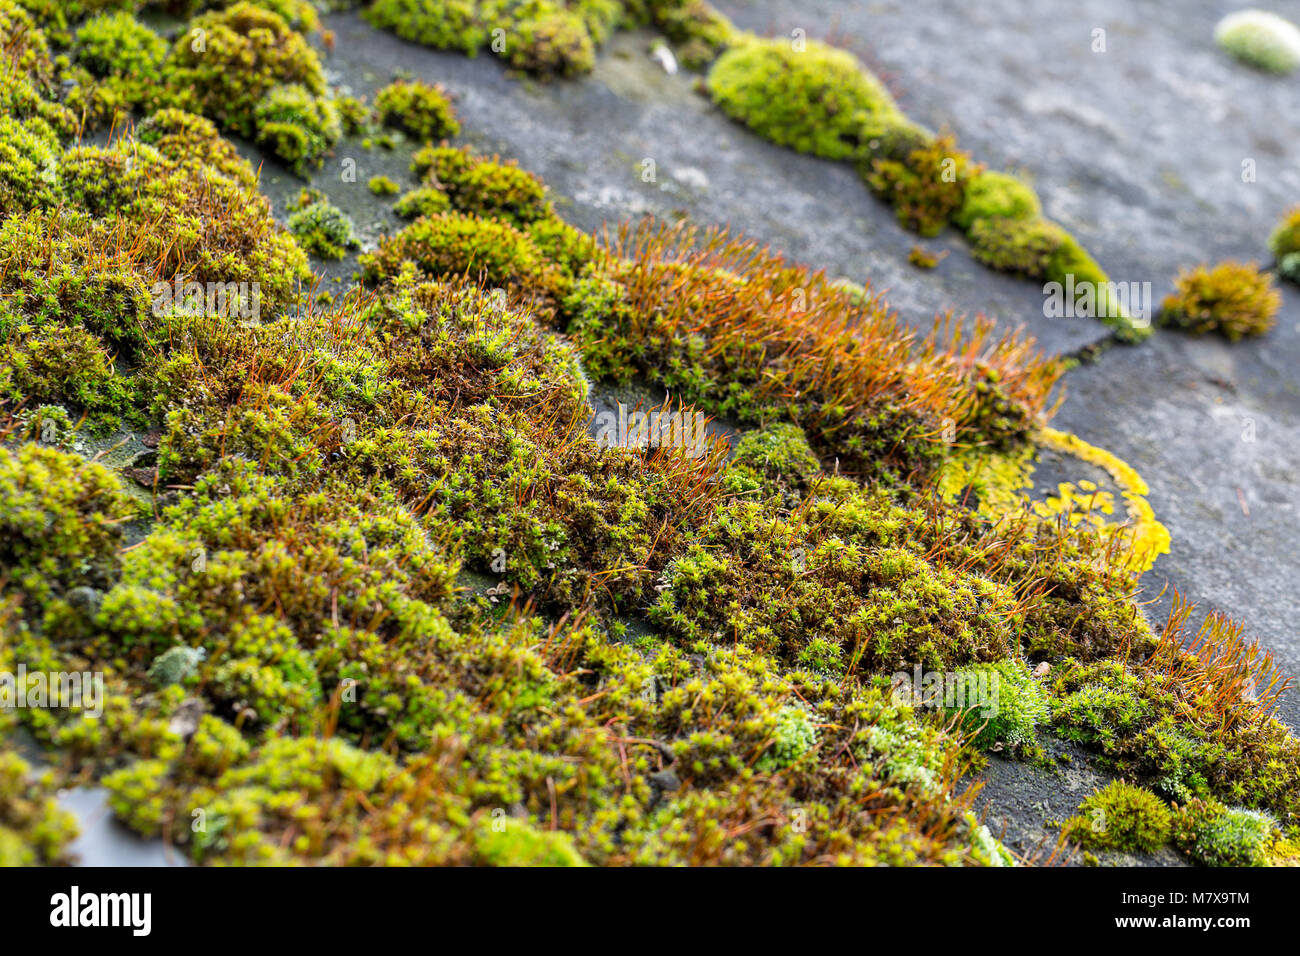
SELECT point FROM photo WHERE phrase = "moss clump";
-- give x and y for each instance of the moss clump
(928, 188)
(993, 195)
(1284, 243)
(1232, 298)
(775, 459)
(508, 842)
(1215, 835)
(483, 187)
(29, 171)
(58, 363)
(1234, 750)
(1004, 704)
(1263, 40)
(538, 36)
(118, 68)
(699, 29)
(33, 830)
(119, 45)
(818, 100)
(1121, 817)
(297, 126)
(188, 218)
(53, 504)
(444, 26)
(450, 244)
(416, 108)
(795, 736)
(383, 186)
(423, 201)
(1025, 247)
(248, 70)
(194, 141)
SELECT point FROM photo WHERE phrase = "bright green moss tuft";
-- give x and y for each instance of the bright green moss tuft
(117, 44)
(795, 736)
(1123, 818)
(1285, 245)
(383, 186)
(503, 841)
(1022, 246)
(1003, 704)
(248, 70)
(774, 459)
(546, 37)
(418, 109)
(451, 244)
(297, 126)
(452, 25)
(33, 830)
(1215, 835)
(53, 504)
(483, 187)
(994, 195)
(422, 201)
(1263, 40)
(817, 100)
(194, 141)
(1232, 298)
(29, 174)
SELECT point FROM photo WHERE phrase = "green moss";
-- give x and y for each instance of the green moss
(176, 665)
(385, 578)
(60, 364)
(507, 842)
(1215, 835)
(795, 736)
(1004, 704)
(117, 44)
(1022, 246)
(33, 830)
(700, 29)
(817, 100)
(297, 126)
(445, 26)
(416, 108)
(29, 174)
(1263, 40)
(383, 186)
(772, 460)
(248, 70)
(450, 244)
(423, 201)
(185, 214)
(994, 195)
(194, 141)
(54, 504)
(1234, 299)
(323, 230)
(1121, 817)
(483, 187)
(928, 188)
(538, 36)
(1284, 242)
